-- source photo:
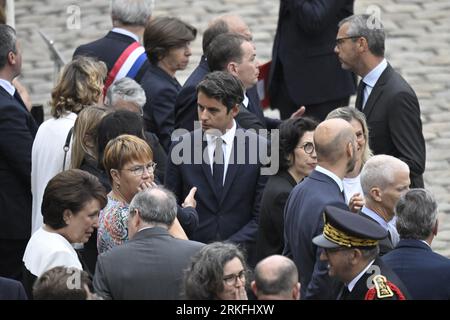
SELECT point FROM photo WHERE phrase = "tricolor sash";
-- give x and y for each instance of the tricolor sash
(127, 65)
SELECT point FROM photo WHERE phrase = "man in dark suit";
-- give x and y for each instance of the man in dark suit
(335, 144)
(224, 162)
(350, 247)
(383, 180)
(129, 18)
(389, 103)
(425, 273)
(186, 103)
(150, 265)
(304, 70)
(17, 132)
(236, 54)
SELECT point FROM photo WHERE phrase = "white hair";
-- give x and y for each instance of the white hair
(379, 171)
(132, 12)
(128, 90)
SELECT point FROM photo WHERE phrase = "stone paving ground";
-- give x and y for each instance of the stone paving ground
(418, 45)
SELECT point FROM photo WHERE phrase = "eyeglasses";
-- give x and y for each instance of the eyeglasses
(308, 147)
(340, 41)
(232, 278)
(139, 170)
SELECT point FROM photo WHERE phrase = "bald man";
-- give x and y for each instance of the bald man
(335, 145)
(186, 103)
(384, 179)
(276, 278)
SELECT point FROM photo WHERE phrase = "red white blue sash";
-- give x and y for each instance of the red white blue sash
(127, 65)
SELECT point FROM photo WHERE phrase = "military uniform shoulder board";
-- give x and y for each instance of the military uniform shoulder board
(383, 289)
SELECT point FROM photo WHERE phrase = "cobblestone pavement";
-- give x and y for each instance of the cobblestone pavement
(418, 45)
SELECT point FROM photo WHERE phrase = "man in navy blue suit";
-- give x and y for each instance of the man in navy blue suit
(17, 132)
(129, 18)
(425, 273)
(223, 161)
(186, 103)
(335, 145)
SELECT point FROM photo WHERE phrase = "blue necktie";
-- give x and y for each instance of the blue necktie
(218, 166)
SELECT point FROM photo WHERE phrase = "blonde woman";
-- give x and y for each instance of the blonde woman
(352, 185)
(80, 85)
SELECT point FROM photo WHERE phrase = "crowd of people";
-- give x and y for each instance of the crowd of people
(140, 188)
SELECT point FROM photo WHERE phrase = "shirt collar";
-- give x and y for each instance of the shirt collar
(228, 137)
(331, 175)
(372, 77)
(126, 33)
(7, 86)
(245, 101)
(352, 283)
(375, 216)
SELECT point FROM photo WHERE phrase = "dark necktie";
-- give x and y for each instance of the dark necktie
(361, 87)
(218, 166)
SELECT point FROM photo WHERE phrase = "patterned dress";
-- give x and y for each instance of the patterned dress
(113, 224)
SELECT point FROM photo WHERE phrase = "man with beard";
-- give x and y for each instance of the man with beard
(335, 145)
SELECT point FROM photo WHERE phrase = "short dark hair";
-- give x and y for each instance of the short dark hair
(217, 28)
(115, 124)
(224, 87)
(7, 43)
(165, 33)
(71, 189)
(56, 284)
(223, 49)
(291, 131)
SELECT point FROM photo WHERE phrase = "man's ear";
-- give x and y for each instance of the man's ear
(232, 67)
(350, 150)
(435, 228)
(235, 110)
(376, 194)
(296, 291)
(253, 286)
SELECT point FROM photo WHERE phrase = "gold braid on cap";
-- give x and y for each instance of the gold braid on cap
(334, 235)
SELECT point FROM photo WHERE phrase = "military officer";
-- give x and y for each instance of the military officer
(350, 245)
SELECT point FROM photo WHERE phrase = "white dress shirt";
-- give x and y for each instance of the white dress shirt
(332, 176)
(7, 86)
(126, 32)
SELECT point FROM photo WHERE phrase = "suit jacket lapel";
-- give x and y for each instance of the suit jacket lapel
(377, 91)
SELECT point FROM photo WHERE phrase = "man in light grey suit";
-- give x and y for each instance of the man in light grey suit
(150, 265)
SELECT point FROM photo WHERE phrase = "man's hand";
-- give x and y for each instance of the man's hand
(356, 202)
(190, 200)
(297, 114)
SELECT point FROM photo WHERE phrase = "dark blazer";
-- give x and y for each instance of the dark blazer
(425, 273)
(303, 51)
(149, 266)
(108, 49)
(232, 215)
(360, 289)
(385, 244)
(270, 239)
(303, 221)
(11, 290)
(186, 102)
(17, 132)
(395, 128)
(159, 114)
